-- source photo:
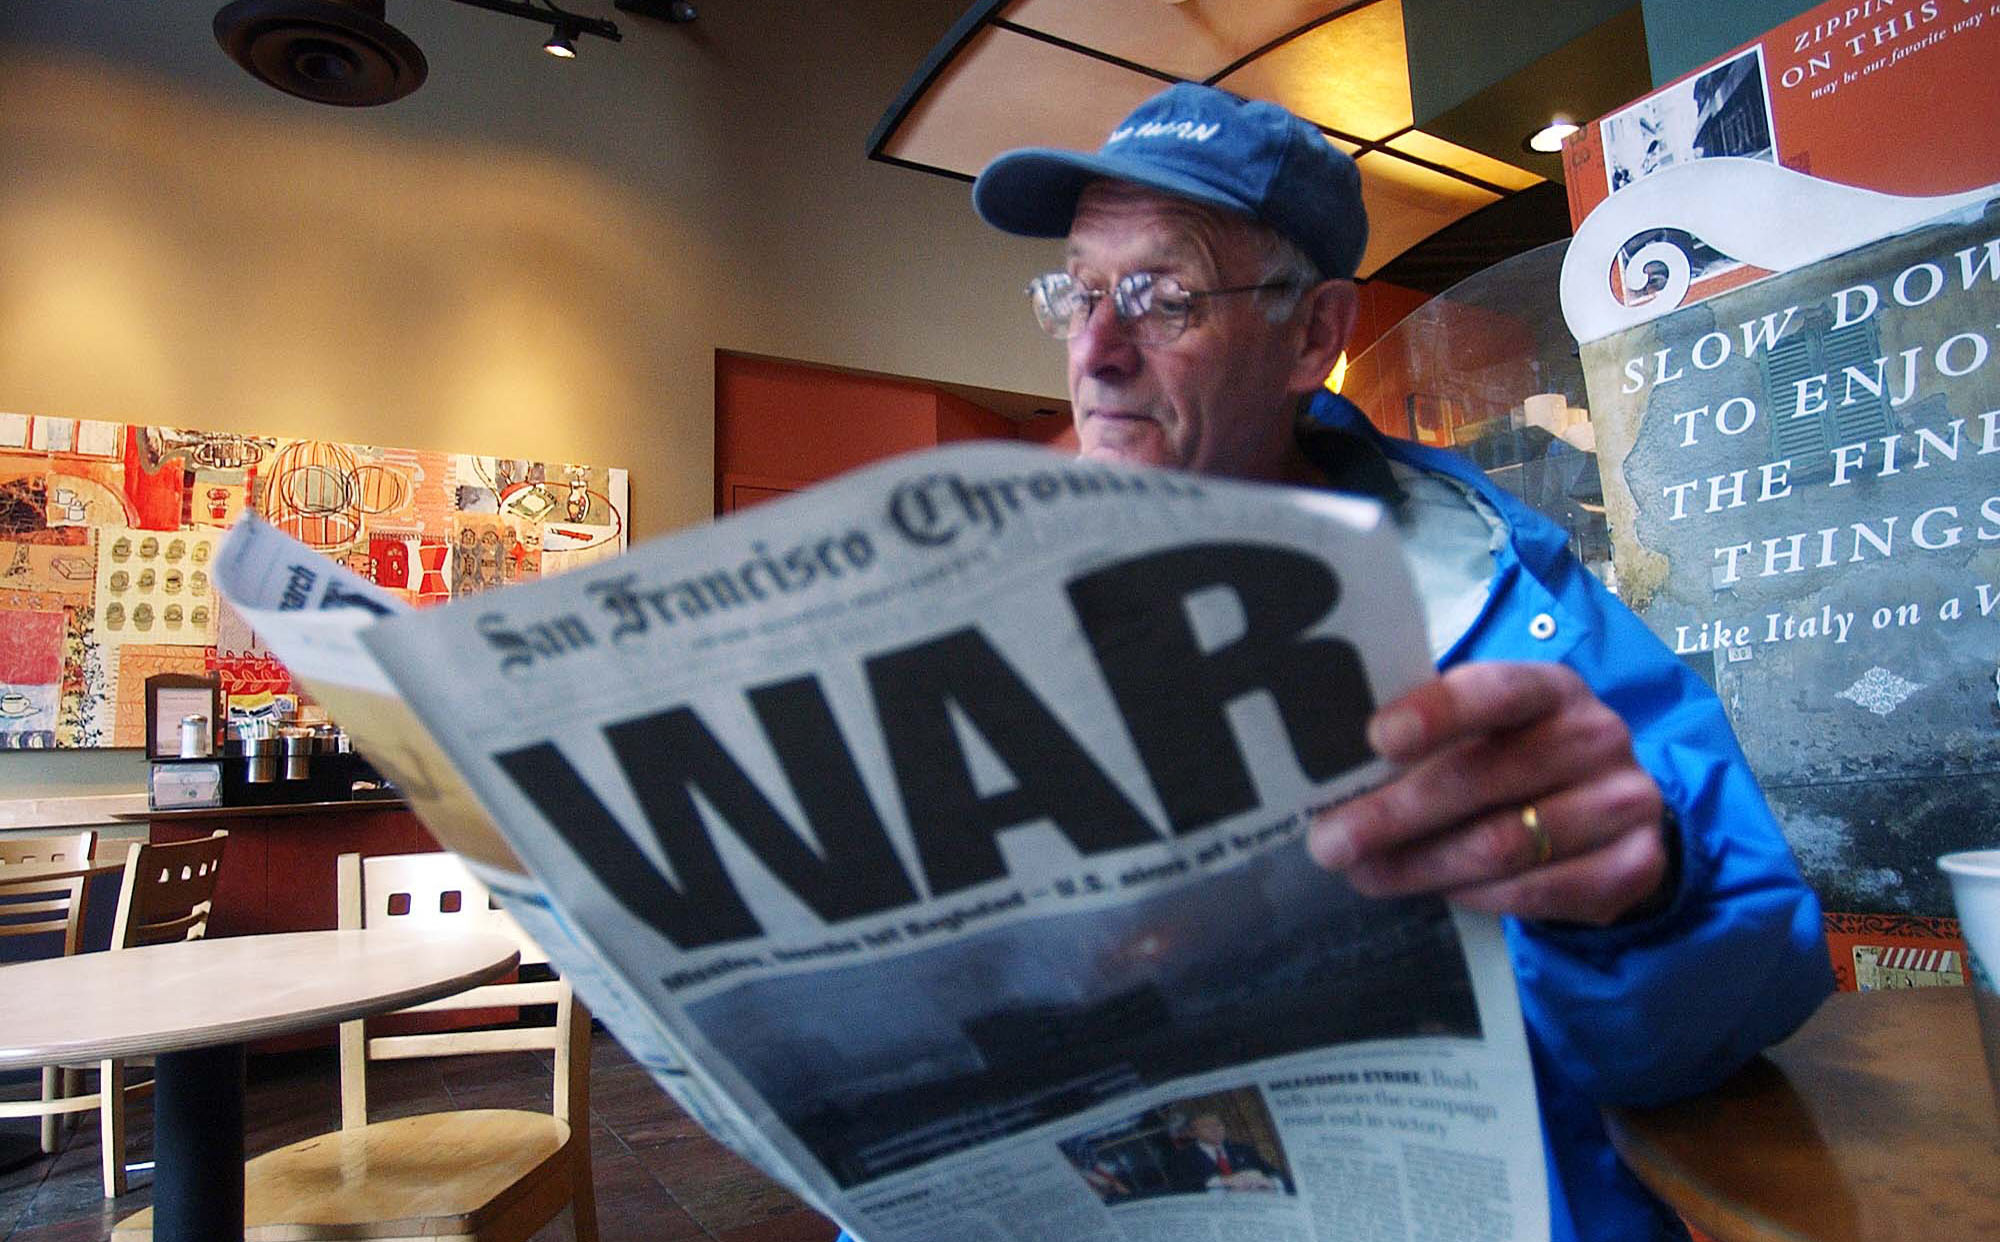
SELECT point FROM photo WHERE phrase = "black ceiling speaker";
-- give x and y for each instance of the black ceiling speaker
(329, 51)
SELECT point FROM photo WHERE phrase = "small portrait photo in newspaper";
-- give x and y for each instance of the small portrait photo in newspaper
(1222, 1142)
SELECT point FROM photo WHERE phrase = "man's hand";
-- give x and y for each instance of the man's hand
(1519, 794)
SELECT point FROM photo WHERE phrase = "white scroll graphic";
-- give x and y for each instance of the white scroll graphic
(1750, 210)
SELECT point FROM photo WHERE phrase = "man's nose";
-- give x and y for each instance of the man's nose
(1102, 345)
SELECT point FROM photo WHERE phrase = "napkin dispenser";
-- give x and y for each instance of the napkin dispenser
(180, 784)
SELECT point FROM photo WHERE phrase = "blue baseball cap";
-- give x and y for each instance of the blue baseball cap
(1200, 143)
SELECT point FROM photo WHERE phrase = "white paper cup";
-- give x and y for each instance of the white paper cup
(1975, 890)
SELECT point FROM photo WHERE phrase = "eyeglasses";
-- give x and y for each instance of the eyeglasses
(1154, 309)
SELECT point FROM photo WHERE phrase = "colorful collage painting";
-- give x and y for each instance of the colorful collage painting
(108, 534)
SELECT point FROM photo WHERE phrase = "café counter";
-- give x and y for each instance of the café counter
(278, 872)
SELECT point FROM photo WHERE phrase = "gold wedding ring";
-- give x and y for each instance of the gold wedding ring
(1531, 819)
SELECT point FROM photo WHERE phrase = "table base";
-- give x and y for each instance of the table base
(198, 1145)
(19, 1151)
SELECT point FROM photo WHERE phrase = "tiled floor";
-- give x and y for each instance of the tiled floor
(659, 1177)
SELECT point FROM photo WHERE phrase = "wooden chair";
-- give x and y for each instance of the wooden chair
(47, 908)
(168, 891)
(476, 1173)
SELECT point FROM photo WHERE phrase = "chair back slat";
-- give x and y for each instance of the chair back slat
(73, 847)
(53, 907)
(433, 890)
(544, 992)
(169, 891)
(39, 918)
(437, 892)
(458, 1043)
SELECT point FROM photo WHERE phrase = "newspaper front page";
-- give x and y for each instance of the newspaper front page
(935, 838)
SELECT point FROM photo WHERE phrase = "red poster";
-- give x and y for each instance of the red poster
(1852, 91)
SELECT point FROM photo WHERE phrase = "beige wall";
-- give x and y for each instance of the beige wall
(526, 257)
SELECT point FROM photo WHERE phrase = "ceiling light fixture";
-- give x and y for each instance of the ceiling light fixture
(345, 52)
(340, 52)
(1549, 138)
(564, 27)
(678, 12)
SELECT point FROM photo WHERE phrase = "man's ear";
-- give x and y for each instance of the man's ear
(1327, 316)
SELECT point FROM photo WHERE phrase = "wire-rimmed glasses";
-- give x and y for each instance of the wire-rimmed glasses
(1153, 308)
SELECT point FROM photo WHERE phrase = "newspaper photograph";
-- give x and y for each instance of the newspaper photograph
(935, 837)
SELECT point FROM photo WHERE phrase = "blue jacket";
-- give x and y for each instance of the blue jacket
(1640, 1013)
(1649, 1011)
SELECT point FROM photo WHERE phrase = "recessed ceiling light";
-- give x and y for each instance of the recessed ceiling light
(1549, 138)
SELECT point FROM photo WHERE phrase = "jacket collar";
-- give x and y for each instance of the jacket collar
(1354, 454)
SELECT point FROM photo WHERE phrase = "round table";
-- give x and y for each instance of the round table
(1875, 1122)
(195, 1004)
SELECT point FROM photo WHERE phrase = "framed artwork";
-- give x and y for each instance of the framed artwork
(108, 533)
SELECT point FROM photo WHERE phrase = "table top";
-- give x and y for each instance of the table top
(38, 872)
(271, 810)
(1874, 1122)
(198, 993)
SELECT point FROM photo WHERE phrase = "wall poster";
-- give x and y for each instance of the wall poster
(108, 530)
(1797, 408)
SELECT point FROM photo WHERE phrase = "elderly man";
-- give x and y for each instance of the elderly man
(1565, 771)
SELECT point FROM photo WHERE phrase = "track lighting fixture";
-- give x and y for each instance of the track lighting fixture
(679, 12)
(345, 52)
(564, 27)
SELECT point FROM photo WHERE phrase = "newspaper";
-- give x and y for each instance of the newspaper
(934, 837)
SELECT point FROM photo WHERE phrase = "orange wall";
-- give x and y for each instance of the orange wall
(1380, 306)
(959, 419)
(788, 424)
(1461, 364)
(1057, 433)
(782, 425)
